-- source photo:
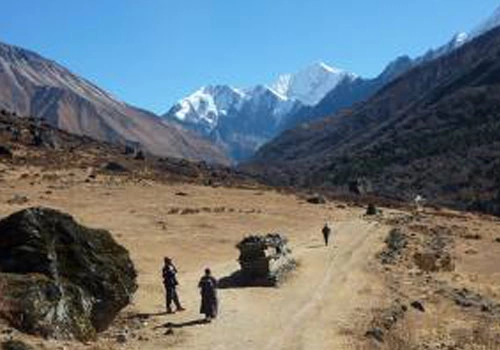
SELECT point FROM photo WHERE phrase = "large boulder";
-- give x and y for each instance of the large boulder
(60, 279)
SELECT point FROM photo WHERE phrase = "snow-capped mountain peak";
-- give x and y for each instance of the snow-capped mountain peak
(243, 119)
(207, 104)
(310, 84)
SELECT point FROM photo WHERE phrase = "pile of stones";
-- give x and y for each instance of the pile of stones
(265, 259)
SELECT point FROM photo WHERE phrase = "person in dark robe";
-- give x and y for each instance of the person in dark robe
(326, 233)
(170, 283)
(209, 301)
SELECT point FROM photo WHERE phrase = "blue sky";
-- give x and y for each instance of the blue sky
(152, 52)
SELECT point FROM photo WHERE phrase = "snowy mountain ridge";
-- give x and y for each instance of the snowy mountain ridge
(208, 104)
(311, 84)
(241, 120)
(462, 38)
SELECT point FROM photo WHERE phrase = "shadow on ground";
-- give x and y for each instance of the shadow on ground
(145, 316)
(315, 246)
(173, 325)
(238, 280)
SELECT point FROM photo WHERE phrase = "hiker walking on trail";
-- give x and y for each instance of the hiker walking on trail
(170, 283)
(326, 233)
(208, 290)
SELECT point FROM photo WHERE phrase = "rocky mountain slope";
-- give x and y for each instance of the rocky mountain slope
(33, 85)
(434, 131)
(241, 120)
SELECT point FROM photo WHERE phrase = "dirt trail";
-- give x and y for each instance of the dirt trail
(309, 312)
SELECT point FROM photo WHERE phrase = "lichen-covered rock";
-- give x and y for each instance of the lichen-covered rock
(60, 279)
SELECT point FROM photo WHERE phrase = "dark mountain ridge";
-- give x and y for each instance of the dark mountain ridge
(434, 131)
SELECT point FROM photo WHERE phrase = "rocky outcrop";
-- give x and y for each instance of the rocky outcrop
(396, 242)
(59, 279)
(435, 254)
(386, 320)
(434, 261)
(468, 299)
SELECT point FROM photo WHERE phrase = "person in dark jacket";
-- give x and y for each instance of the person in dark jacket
(326, 233)
(208, 290)
(170, 283)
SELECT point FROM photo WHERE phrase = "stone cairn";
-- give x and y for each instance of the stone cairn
(265, 260)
